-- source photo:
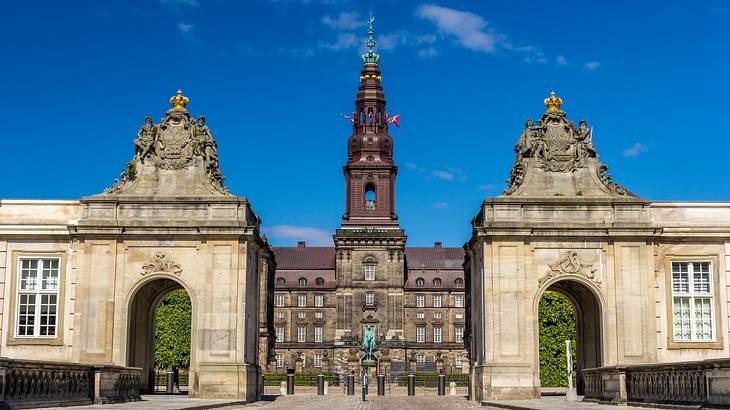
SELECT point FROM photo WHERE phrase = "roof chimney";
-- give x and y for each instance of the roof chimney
(437, 245)
(301, 245)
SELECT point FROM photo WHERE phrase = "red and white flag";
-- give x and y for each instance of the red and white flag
(348, 118)
(392, 120)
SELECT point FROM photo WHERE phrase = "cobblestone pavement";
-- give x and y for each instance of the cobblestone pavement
(353, 403)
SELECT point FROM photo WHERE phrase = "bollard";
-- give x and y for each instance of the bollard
(364, 385)
(326, 387)
(442, 384)
(350, 384)
(411, 385)
(290, 383)
(320, 385)
(452, 389)
(170, 381)
(381, 385)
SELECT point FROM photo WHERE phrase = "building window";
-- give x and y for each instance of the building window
(370, 299)
(317, 360)
(420, 334)
(318, 315)
(319, 300)
(459, 301)
(420, 301)
(280, 333)
(319, 281)
(369, 271)
(420, 282)
(459, 315)
(302, 315)
(692, 300)
(459, 334)
(437, 301)
(421, 358)
(280, 282)
(437, 282)
(280, 300)
(318, 333)
(279, 360)
(302, 300)
(457, 360)
(37, 297)
(302, 282)
(437, 334)
(459, 282)
(437, 315)
(301, 334)
(420, 315)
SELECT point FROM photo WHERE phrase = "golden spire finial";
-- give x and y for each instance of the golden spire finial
(553, 103)
(179, 101)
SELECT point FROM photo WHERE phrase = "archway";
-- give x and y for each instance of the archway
(141, 325)
(586, 307)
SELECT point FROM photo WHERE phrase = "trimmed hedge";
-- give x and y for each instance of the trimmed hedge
(300, 378)
(557, 324)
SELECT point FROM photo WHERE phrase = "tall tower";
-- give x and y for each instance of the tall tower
(370, 245)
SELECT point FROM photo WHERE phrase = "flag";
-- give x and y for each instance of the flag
(348, 118)
(393, 120)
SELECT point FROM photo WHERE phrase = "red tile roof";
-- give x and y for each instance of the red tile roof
(288, 258)
(435, 258)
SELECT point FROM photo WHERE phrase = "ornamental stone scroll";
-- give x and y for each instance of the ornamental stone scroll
(160, 263)
(570, 264)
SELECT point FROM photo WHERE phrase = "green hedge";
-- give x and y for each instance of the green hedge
(557, 324)
(431, 378)
(300, 378)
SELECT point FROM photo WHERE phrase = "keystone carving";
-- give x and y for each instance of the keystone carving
(570, 264)
(160, 263)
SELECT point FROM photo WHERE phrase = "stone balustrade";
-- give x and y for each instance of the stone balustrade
(704, 383)
(34, 384)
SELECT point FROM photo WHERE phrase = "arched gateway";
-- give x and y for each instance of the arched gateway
(167, 223)
(647, 280)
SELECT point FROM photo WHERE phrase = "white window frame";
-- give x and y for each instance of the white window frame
(436, 300)
(317, 360)
(437, 315)
(459, 315)
(692, 296)
(369, 271)
(420, 334)
(458, 301)
(280, 315)
(279, 360)
(302, 315)
(458, 334)
(369, 299)
(438, 332)
(420, 315)
(420, 301)
(318, 315)
(39, 288)
(421, 358)
(302, 300)
(280, 333)
(318, 334)
(318, 300)
(458, 360)
(280, 300)
(301, 334)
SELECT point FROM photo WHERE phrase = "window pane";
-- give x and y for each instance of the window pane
(680, 277)
(681, 318)
(49, 274)
(29, 274)
(703, 319)
(701, 277)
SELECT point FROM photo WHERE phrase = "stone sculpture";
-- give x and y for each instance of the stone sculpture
(570, 264)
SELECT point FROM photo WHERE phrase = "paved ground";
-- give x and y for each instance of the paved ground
(546, 403)
(161, 402)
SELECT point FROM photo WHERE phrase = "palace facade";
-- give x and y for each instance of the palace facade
(412, 298)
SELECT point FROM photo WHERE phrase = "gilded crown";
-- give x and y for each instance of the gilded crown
(179, 101)
(553, 103)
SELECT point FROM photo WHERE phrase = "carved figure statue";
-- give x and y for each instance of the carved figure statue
(368, 342)
(145, 139)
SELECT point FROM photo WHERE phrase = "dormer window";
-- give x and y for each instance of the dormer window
(280, 282)
(302, 282)
(420, 282)
(319, 281)
(437, 282)
(459, 282)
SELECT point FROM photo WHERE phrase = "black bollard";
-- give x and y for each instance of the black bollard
(381, 385)
(350, 384)
(442, 384)
(411, 385)
(290, 382)
(320, 385)
(364, 386)
(170, 381)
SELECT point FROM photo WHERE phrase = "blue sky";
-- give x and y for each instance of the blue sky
(651, 77)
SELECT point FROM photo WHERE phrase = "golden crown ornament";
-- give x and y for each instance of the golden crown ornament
(553, 103)
(179, 101)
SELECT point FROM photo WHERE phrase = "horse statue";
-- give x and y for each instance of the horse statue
(368, 343)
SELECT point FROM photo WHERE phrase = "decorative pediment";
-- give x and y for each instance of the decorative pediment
(161, 264)
(570, 264)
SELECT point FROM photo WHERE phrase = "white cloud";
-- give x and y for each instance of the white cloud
(635, 150)
(186, 31)
(427, 52)
(348, 20)
(467, 27)
(445, 174)
(389, 41)
(344, 41)
(488, 187)
(312, 236)
(185, 28)
(560, 60)
(592, 65)
(440, 205)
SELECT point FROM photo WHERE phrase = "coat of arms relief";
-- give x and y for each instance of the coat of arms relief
(570, 263)
(161, 263)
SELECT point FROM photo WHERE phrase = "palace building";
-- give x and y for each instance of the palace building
(412, 298)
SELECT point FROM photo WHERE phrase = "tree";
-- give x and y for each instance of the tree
(556, 318)
(172, 332)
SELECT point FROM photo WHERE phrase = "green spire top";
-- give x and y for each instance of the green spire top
(371, 57)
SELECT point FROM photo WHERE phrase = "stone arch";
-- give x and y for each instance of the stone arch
(142, 301)
(589, 306)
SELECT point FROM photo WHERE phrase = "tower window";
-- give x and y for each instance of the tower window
(369, 271)
(369, 196)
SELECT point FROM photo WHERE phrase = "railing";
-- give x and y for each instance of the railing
(34, 384)
(704, 383)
